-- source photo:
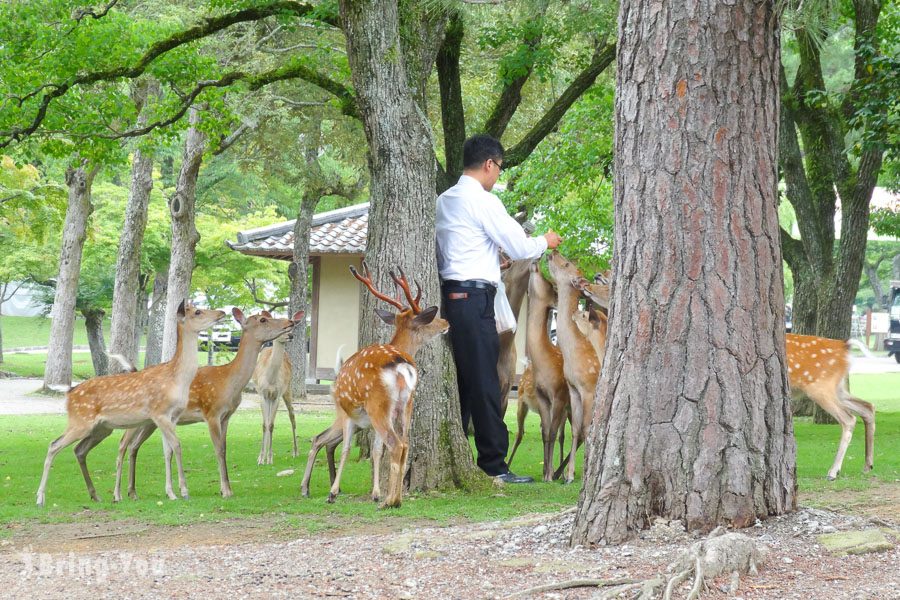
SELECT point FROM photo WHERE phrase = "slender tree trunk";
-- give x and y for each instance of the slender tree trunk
(184, 232)
(895, 268)
(93, 324)
(401, 231)
(871, 270)
(140, 322)
(126, 292)
(157, 320)
(693, 420)
(59, 352)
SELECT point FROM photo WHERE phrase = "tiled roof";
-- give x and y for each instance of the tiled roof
(341, 231)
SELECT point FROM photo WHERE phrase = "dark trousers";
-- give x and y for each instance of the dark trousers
(476, 348)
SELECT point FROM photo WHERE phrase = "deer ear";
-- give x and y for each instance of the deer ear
(181, 309)
(238, 315)
(426, 316)
(386, 315)
(266, 314)
(298, 316)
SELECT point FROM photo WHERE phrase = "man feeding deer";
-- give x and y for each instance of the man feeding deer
(471, 227)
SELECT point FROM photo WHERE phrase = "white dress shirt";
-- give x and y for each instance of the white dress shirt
(472, 225)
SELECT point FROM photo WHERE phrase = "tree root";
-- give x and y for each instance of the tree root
(572, 583)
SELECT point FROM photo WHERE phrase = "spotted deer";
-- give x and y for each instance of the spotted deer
(155, 395)
(818, 367)
(580, 363)
(375, 388)
(545, 390)
(273, 382)
(214, 396)
(592, 324)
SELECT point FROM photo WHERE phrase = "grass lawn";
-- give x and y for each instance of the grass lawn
(32, 365)
(259, 493)
(21, 332)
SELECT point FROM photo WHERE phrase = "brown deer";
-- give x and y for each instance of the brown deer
(597, 292)
(155, 395)
(592, 324)
(515, 280)
(580, 364)
(546, 391)
(273, 381)
(818, 367)
(214, 396)
(375, 387)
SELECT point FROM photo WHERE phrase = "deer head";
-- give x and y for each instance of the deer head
(415, 324)
(263, 327)
(197, 319)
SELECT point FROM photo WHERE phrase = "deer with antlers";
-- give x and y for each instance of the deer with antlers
(214, 396)
(818, 367)
(273, 381)
(375, 388)
(155, 395)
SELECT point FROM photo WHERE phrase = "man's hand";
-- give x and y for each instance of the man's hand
(553, 239)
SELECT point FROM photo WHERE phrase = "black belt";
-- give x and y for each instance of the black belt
(481, 285)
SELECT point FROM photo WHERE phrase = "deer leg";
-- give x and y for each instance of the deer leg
(81, 450)
(557, 427)
(830, 403)
(345, 451)
(69, 437)
(289, 404)
(521, 413)
(866, 411)
(143, 434)
(262, 448)
(377, 451)
(547, 434)
(218, 440)
(172, 446)
(120, 458)
(331, 437)
(577, 427)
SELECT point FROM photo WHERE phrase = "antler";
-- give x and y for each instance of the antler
(367, 281)
(403, 283)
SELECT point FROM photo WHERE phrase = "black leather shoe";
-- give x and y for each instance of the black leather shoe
(510, 477)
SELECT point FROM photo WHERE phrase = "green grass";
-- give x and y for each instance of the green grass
(32, 365)
(258, 492)
(19, 332)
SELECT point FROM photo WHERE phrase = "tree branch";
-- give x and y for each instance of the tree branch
(205, 28)
(251, 286)
(229, 140)
(80, 13)
(453, 116)
(511, 96)
(603, 57)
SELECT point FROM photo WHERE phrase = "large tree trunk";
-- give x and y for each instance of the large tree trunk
(401, 230)
(157, 320)
(126, 291)
(693, 420)
(58, 371)
(93, 324)
(184, 232)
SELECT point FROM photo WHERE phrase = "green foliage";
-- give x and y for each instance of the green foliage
(886, 221)
(567, 182)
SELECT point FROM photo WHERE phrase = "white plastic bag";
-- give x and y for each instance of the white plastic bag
(503, 313)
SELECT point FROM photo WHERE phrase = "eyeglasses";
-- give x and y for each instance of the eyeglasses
(499, 164)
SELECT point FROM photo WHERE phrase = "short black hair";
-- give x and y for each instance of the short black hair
(480, 148)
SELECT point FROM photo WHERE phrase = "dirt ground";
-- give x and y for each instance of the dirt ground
(250, 558)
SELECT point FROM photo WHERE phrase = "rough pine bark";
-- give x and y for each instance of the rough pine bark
(58, 371)
(401, 231)
(93, 324)
(184, 233)
(126, 290)
(157, 320)
(692, 420)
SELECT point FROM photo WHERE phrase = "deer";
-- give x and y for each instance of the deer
(214, 395)
(375, 387)
(273, 381)
(515, 280)
(818, 367)
(597, 292)
(545, 390)
(592, 324)
(581, 366)
(155, 395)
